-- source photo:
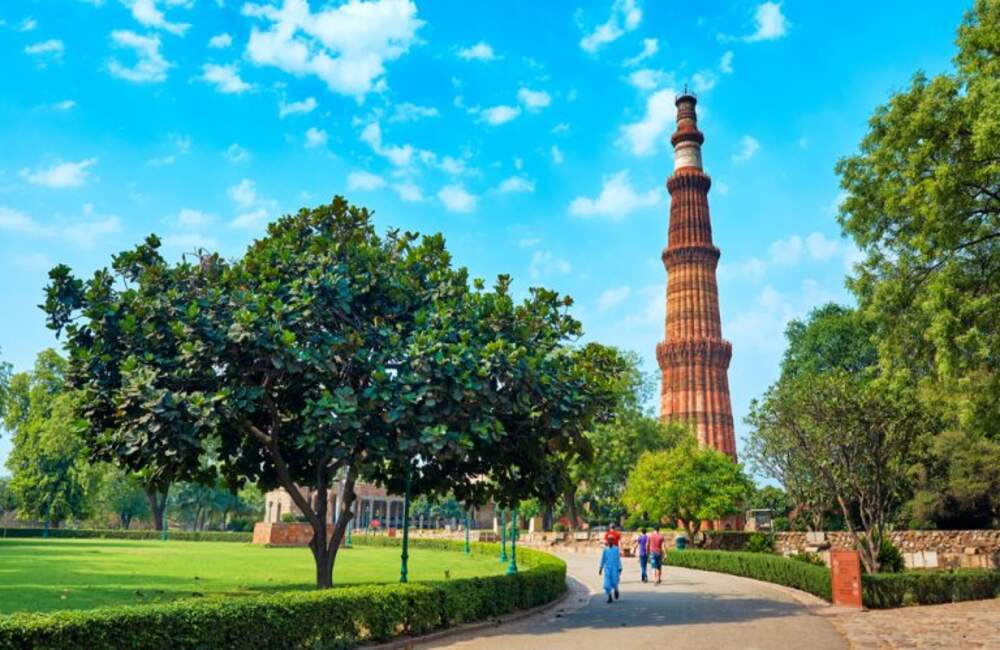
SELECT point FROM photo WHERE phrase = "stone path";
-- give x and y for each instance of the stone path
(691, 609)
(974, 624)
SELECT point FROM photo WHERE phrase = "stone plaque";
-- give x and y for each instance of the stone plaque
(846, 569)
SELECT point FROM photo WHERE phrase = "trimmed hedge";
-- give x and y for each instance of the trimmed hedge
(885, 590)
(759, 566)
(339, 618)
(83, 533)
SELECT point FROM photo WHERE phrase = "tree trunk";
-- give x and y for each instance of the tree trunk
(569, 501)
(157, 504)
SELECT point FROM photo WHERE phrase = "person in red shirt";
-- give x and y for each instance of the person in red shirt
(656, 553)
(612, 537)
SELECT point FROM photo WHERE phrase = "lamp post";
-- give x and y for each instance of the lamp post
(467, 549)
(503, 536)
(512, 569)
(406, 529)
(350, 526)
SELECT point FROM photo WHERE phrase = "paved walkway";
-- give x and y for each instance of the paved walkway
(691, 609)
(974, 624)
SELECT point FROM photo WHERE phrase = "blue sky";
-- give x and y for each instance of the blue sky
(535, 136)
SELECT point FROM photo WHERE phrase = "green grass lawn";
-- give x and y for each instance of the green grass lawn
(44, 575)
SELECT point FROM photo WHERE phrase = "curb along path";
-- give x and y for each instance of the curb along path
(691, 608)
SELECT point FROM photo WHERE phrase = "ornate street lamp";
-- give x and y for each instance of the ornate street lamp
(406, 529)
(512, 569)
(503, 536)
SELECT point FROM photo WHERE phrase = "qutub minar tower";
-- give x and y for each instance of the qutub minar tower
(693, 356)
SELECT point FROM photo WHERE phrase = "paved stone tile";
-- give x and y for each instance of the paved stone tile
(968, 625)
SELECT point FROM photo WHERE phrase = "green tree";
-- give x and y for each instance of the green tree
(7, 501)
(131, 358)
(923, 205)
(688, 484)
(856, 436)
(5, 374)
(120, 494)
(51, 479)
(831, 337)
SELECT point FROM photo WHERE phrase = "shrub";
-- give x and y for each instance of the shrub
(558, 527)
(760, 543)
(338, 618)
(83, 533)
(884, 590)
(759, 566)
(809, 558)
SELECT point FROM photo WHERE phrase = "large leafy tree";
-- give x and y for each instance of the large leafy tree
(51, 479)
(687, 484)
(120, 494)
(857, 439)
(923, 205)
(142, 397)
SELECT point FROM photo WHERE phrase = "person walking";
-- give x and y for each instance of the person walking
(656, 554)
(611, 567)
(641, 549)
(612, 536)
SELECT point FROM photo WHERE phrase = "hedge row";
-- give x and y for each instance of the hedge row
(82, 533)
(759, 566)
(339, 618)
(885, 590)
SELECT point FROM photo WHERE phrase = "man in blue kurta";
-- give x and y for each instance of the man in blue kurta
(611, 567)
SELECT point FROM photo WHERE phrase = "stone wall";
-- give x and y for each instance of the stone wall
(293, 534)
(921, 549)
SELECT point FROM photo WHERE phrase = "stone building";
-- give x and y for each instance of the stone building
(372, 504)
(693, 357)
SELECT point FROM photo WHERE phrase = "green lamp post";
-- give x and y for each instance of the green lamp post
(468, 550)
(503, 536)
(406, 530)
(512, 568)
(350, 527)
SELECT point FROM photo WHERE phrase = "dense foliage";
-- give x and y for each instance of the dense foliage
(759, 566)
(885, 590)
(687, 483)
(341, 618)
(111, 533)
(923, 205)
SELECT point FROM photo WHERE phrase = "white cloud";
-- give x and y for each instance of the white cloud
(748, 147)
(27, 25)
(456, 199)
(649, 47)
(226, 78)
(617, 199)
(345, 46)
(304, 107)
(625, 17)
(703, 81)
(726, 63)
(237, 154)
(789, 252)
(52, 46)
(533, 99)
(453, 166)
(400, 156)
(150, 66)
(647, 79)
(610, 298)
(546, 263)
(181, 145)
(820, 247)
(250, 220)
(189, 241)
(409, 192)
(191, 218)
(83, 233)
(407, 112)
(786, 252)
(516, 184)
(315, 138)
(64, 105)
(770, 23)
(641, 137)
(244, 193)
(60, 175)
(481, 51)
(496, 115)
(529, 242)
(557, 155)
(364, 181)
(220, 41)
(147, 13)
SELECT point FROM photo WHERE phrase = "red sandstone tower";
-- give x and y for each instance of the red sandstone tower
(693, 357)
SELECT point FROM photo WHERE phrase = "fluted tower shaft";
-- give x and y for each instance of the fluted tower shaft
(693, 356)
